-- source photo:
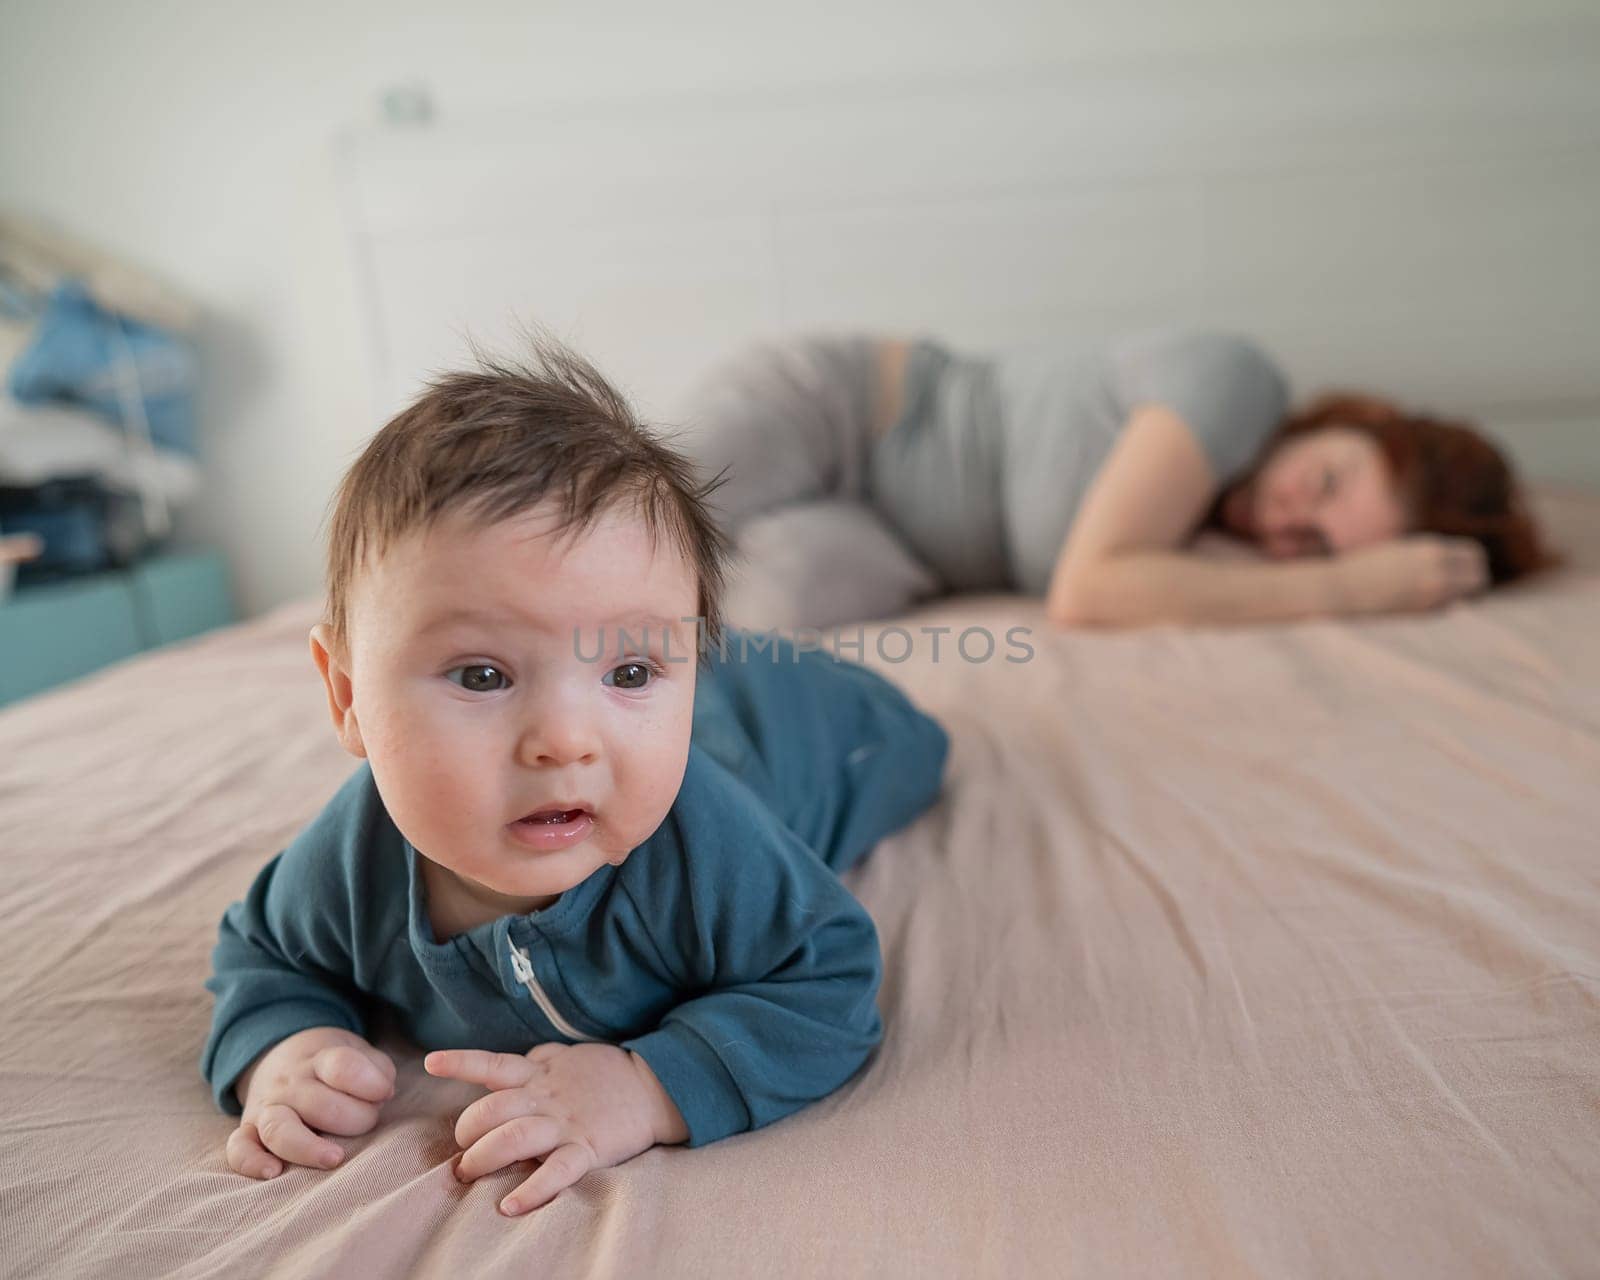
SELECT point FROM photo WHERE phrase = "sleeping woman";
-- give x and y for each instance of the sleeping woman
(864, 475)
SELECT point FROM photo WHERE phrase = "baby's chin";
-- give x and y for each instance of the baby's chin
(508, 890)
(515, 872)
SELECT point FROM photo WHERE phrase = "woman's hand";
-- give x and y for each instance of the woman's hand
(323, 1077)
(573, 1107)
(1411, 574)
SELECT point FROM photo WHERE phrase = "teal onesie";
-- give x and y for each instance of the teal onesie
(724, 950)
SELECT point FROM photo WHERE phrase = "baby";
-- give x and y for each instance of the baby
(590, 857)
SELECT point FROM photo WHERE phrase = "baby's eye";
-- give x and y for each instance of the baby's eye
(1328, 483)
(478, 677)
(630, 675)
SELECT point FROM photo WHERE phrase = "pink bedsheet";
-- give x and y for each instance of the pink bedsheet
(1261, 952)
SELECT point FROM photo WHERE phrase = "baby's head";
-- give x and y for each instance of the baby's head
(515, 570)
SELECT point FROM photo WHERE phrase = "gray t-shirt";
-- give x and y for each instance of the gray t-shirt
(986, 470)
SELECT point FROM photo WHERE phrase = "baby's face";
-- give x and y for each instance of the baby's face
(477, 694)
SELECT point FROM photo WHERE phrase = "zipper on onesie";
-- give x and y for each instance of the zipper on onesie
(522, 966)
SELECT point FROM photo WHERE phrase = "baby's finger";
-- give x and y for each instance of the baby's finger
(246, 1154)
(285, 1134)
(523, 1138)
(561, 1169)
(347, 1069)
(493, 1110)
(332, 1110)
(383, 1062)
(479, 1066)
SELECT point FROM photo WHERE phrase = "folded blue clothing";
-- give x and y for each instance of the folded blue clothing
(724, 950)
(82, 354)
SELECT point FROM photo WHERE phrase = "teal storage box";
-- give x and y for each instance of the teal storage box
(58, 631)
(54, 632)
(181, 595)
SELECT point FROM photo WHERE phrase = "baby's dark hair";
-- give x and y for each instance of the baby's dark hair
(495, 441)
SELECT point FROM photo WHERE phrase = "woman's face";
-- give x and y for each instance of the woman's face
(1320, 493)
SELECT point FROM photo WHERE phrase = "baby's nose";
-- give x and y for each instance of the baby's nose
(559, 740)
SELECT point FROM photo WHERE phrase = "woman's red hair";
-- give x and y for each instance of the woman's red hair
(1452, 479)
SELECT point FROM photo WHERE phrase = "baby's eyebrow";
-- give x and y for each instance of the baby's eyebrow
(635, 624)
(460, 617)
(646, 622)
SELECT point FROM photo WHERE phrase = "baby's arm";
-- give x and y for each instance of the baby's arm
(287, 1048)
(270, 979)
(788, 966)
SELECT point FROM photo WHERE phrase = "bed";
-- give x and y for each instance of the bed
(1259, 952)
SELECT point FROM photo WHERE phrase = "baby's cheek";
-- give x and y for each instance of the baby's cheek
(651, 789)
(429, 792)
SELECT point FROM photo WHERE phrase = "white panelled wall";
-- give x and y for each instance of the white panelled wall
(1188, 157)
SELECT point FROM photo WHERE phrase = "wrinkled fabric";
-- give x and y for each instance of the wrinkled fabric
(1228, 952)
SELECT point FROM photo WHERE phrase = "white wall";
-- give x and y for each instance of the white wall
(198, 140)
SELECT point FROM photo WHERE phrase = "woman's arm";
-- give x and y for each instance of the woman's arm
(1122, 563)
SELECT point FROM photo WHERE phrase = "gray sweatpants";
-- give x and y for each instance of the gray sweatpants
(976, 487)
(791, 422)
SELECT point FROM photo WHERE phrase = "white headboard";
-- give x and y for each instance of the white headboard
(1426, 224)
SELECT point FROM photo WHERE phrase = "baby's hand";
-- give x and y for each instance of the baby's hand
(573, 1107)
(322, 1077)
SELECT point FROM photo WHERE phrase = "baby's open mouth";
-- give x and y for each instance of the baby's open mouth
(553, 816)
(556, 827)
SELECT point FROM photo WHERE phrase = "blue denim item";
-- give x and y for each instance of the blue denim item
(85, 527)
(74, 359)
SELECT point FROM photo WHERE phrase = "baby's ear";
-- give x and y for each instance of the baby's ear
(341, 693)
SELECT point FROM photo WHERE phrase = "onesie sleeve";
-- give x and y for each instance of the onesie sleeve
(781, 960)
(283, 960)
(1228, 391)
